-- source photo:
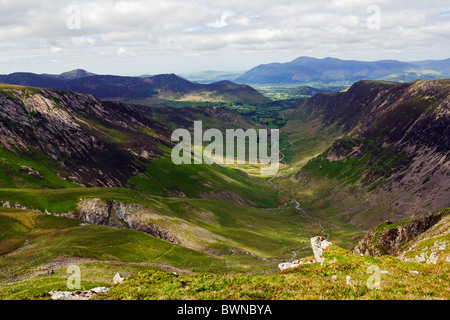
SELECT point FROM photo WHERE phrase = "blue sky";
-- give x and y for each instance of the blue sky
(176, 36)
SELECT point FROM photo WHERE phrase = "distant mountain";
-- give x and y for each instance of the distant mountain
(443, 66)
(75, 74)
(307, 69)
(139, 90)
(308, 91)
(212, 76)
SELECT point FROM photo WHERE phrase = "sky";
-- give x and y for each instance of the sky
(187, 36)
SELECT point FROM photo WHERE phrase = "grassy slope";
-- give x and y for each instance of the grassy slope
(308, 281)
(29, 240)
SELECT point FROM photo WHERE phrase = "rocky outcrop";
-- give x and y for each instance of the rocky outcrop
(93, 210)
(77, 295)
(318, 245)
(388, 238)
(120, 215)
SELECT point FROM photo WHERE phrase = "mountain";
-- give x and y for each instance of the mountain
(443, 66)
(327, 70)
(383, 151)
(74, 74)
(211, 76)
(146, 90)
(74, 137)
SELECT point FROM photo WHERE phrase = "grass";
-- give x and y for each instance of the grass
(308, 281)
(12, 175)
(41, 239)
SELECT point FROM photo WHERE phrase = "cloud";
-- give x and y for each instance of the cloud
(221, 22)
(123, 52)
(233, 31)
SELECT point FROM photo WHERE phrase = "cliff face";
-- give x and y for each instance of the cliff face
(83, 140)
(395, 148)
(119, 215)
(390, 238)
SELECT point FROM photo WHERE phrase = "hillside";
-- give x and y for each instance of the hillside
(139, 90)
(332, 70)
(379, 151)
(91, 183)
(341, 275)
(423, 239)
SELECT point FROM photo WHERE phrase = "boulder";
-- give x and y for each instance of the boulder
(319, 244)
(285, 265)
(117, 278)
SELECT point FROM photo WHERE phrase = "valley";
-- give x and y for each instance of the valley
(90, 182)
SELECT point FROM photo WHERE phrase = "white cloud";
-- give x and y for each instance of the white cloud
(173, 33)
(123, 52)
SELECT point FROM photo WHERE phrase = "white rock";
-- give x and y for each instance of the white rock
(99, 290)
(319, 244)
(384, 272)
(413, 271)
(83, 295)
(333, 278)
(285, 265)
(117, 278)
(433, 258)
(447, 259)
(347, 280)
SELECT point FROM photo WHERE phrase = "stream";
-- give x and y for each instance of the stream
(298, 207)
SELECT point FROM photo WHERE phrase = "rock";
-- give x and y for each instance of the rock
(285, 265)
(384, 272)
(30, 171)
(348, 280)
(414, 272)
(93, 210)
(319, 244)
(421, 258)
(447, 259)
(433, 258)
(78, 295)
(390, 240)
(333, 278)
(117, 278)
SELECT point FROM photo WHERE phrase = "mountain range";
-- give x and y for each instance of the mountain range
(307, 70)
(139, 90)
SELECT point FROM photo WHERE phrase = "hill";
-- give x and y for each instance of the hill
(341, 275)
(139, 90)
(332, 70)
(379, 151)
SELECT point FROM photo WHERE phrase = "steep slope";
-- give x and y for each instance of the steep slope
(57, 139)
(83, 140)
(145, 90)
(391, 157)
(399, 238)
